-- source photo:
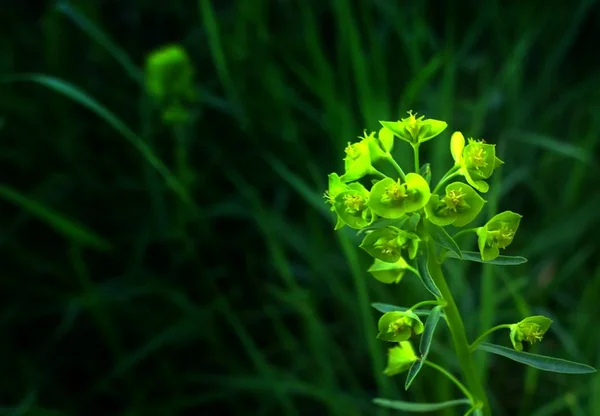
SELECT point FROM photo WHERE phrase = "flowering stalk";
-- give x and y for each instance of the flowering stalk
(401, 221)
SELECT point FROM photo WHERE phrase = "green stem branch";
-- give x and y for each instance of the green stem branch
(423, 303)
(463, 232)
(396, 166)
(416, 153)
(457, 330)
(445, 179)
(485, 334)
(377, 173)
(453, 379)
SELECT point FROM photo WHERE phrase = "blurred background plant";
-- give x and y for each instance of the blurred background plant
(166, 263)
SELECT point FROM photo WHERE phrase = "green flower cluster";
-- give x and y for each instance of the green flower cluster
(390, 211)
(395, 214)
(169, 81)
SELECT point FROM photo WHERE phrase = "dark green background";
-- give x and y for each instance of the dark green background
(118, 297)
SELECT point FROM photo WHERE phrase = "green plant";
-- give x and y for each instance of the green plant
(402, 223)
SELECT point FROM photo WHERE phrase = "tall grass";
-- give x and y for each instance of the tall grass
(130, 288)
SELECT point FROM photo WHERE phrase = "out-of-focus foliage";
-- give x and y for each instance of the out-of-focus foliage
(150, 268)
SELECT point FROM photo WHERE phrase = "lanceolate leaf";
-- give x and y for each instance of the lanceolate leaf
(500, 260)
(442, 238)
(425, 276)
(412, 373)
(541, 362)
(427, 336)
(418, 407)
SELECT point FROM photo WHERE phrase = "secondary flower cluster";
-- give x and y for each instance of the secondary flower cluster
(169, 81)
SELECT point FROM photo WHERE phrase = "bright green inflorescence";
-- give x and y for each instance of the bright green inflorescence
(389, 210)
(169, 79)
(408, 225)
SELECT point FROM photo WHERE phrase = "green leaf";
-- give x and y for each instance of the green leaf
(426, 277)
(427, 336)
(400, 358)
(541, 362)
(442, 238)
(412, 373)
(500, 260)
(388, 272)
(386, 307)
(418, 407)
(386, 138)
(457, 145)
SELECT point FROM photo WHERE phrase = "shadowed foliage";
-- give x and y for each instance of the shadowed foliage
(157, 269)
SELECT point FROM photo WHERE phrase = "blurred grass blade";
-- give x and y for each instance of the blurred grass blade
(310, 195)
(412, 373)
(96, 34)
(500, 260)
(554, 145)
(541, 362)
(61, 224)
(442, 238)
(90, 103)
(419, 407)
(427, 336)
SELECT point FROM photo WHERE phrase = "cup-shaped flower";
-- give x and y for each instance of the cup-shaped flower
(387, 244)
(415, 130)
(389, 272)
(458, 207)
(335, 187)
(477, 160)
(399, 326)
(497, 234)
(531, 329)
(394, 198)
(400, 358)
(360, 157)
(351, 205)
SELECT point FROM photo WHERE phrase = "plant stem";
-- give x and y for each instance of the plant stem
(423, 303)
(485, 334)
(462, 232)
(457, 330)
(375, 172)
(453, 379)
(445, 179)
(416, 152)
(396, 166)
